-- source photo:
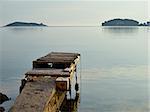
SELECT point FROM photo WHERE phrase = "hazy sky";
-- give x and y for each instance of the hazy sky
(71, 12)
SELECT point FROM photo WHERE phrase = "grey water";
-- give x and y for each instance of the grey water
(114, 63)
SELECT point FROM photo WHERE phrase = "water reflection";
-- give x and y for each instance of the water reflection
(23, 29)
(120, 29)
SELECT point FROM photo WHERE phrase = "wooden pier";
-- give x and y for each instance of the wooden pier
(45, 87)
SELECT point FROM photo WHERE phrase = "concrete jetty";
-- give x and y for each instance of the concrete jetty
(44, 87)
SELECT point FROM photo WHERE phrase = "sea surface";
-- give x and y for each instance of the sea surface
(113, 65)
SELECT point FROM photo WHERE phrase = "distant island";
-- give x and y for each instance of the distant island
(124, 22)
(24, 24)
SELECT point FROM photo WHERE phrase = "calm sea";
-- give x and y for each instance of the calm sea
(114, 63)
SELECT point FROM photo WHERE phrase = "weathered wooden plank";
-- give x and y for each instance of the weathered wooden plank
(54, 60)
(50, 72)
(55, 103)
(64, 53)
(59, 56)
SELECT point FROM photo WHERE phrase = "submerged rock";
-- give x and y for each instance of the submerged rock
(2, 109)
(3, 98)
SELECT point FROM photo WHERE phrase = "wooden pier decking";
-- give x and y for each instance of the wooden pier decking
(45, 86)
